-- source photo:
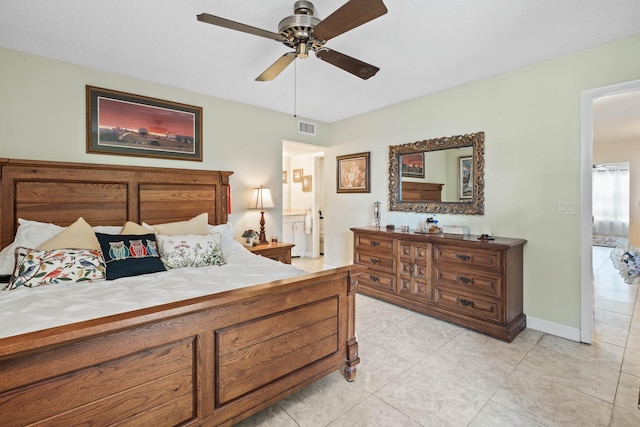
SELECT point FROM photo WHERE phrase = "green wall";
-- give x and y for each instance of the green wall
(531, 120)
(42, 116)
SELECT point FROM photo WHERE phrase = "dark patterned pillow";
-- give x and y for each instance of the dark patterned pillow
(129, 254)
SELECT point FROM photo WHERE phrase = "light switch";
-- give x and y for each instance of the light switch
(567, 208)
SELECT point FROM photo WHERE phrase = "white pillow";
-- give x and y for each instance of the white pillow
(30, 234)
(196, 225)
(108, 229)
(226, 230)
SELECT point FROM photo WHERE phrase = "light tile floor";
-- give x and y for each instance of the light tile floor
(420, 371)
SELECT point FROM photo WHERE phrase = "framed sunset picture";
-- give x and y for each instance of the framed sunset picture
(122, 123)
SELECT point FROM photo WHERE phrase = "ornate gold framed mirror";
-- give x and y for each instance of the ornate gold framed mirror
(440, 175)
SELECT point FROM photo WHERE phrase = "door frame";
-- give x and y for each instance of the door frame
(587, 99)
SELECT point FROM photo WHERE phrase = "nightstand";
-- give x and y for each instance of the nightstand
(278, 251)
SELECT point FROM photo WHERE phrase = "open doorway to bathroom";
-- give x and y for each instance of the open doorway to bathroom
(303, 203)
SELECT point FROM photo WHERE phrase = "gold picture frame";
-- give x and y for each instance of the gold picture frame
(306, 183)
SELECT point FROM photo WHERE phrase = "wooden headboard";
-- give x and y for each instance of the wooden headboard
(60, 192)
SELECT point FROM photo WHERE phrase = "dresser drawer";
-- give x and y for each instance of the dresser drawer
(417, 289)
(471, 305)
(375, 261)
(471, 280)
(380, 245)
(374, 279)
(419, 253)
(485, 259)
(414, 270)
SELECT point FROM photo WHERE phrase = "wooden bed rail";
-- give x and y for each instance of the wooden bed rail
(211, 360)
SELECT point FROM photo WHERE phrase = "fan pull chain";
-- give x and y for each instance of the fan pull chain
(295, 87)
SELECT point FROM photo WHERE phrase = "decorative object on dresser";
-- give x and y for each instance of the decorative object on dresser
(261, 199)
(250, 238)
(457, 278)
(126, 124)
(278, 251)
(376, 215)
(353, 173)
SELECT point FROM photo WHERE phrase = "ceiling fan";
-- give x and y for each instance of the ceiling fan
(304, 32)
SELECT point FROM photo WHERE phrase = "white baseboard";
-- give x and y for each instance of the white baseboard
(562, 331)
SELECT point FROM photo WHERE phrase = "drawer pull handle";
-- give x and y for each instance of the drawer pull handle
(374, 278)
(374, 243)
(463, 257)
(466, 302)
(375, 261)
(465, 280)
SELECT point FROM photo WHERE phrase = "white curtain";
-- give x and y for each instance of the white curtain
(611, 200)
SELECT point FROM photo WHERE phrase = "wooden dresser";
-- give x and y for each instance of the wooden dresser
(460, 279)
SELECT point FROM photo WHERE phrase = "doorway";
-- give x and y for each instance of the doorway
(303, 197)
(588, 130)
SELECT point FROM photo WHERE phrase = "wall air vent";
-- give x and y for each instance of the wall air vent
(307, 128)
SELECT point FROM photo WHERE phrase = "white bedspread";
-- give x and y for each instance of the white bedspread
(30, 309)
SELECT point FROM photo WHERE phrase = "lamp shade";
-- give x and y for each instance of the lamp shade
(261, 198)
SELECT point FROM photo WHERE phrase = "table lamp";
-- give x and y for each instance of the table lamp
(261, 199)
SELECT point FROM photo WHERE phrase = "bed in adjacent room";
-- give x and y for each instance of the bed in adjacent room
(177, 341)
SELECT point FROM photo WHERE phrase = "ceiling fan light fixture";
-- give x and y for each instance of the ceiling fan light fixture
(302, 50)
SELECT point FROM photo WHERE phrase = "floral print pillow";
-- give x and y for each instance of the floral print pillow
(50, 267)
(190, 250)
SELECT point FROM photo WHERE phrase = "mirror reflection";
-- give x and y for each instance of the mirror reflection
(438, 176)
(443, 175)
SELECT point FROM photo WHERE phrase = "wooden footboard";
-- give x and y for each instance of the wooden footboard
(212, 360)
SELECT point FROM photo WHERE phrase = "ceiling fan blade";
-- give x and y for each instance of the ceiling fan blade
(277, 67)
(347, 63)
(350, 15)
(226, 23)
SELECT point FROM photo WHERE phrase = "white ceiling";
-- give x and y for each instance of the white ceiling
(616, 118)
(421, 46)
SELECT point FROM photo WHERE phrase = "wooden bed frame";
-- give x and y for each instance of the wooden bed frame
(212, 360)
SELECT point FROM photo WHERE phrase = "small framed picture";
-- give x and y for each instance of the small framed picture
(412, 165)
(465, 177)
(306, 183)
(284, 177)
(353, 173)
(297, 175)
